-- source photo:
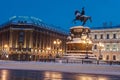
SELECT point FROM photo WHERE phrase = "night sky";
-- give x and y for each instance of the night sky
(61, 12)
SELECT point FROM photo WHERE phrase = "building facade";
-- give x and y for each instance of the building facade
(28, 38)
(109, 37)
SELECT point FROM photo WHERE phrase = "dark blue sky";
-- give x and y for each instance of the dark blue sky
(61, 12)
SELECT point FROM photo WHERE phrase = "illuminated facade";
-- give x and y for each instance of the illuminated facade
(110, 38)
(28, 38)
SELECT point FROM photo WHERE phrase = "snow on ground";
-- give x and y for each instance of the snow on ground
(62, 67)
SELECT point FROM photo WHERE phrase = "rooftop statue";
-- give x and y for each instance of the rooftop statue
(81, 17)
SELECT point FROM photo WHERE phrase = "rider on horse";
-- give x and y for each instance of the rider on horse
(83, 11)
(81, 16)
(78, 14)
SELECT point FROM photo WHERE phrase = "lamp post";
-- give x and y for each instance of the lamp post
(87, 42)
(48, 51)
(100, 47)
(57, 43)
(5, 50)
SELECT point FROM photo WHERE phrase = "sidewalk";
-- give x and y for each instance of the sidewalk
(62, 67)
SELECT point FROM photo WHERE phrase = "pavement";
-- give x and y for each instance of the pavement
(62, 67)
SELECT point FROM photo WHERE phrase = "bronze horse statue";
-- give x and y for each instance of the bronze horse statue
(81, 17)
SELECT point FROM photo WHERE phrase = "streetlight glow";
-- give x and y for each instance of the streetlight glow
(54, 42)
(87, 42)
(7, 56)
(5, 45)
(48, 48)
(100, 47)
(57, 43)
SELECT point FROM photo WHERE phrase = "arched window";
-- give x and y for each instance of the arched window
(114, 57)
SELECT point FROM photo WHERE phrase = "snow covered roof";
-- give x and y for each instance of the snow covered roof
(29, 20)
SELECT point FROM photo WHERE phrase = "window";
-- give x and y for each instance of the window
(95, 47)
(107, 57)
(107, 47)
(107, 36)
(114, 48)
(114, 36)
(95, 37)
(114, 57)
(21, 33)
(21, 36)
(101, 57)
(101, 36)
(20, 39)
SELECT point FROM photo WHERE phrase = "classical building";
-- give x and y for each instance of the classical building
(28, 38)
(106, 42)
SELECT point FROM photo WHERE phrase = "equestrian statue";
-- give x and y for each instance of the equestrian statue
(81, 17)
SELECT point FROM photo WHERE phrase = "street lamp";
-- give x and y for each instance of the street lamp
(48, 50)
(87, 42)
(57, 43)
(61, 51)
(100, 47)
(6, 50)
(49, 54)
(5, 46)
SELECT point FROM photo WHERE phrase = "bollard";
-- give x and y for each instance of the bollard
(82, 61)
(97, 62)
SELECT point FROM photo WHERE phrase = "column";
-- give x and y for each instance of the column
(25, 36)
(10, 40)
(31, 40)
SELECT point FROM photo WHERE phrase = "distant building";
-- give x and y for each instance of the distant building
(109, 36)
(28, 38)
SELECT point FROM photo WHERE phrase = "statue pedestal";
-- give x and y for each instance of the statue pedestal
(79, 44)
